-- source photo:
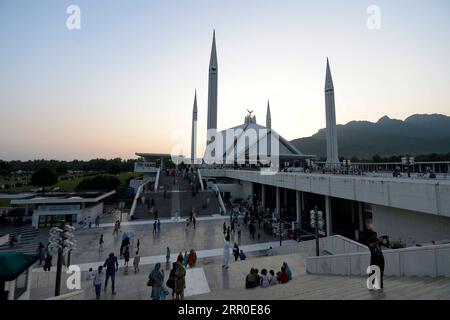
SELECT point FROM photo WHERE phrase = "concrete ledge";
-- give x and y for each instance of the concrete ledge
(76, 295)
(429, 261)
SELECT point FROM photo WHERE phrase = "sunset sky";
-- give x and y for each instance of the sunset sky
(125, 82)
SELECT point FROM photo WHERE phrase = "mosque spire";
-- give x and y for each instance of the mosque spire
(331, 130)
(194, 130)
(212, 91)
(268, 117)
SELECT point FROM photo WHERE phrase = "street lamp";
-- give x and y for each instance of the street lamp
(346, 164)
(61, 242)
(317, 223)
(408, 161)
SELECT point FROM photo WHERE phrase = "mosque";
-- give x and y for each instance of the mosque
(251, 143)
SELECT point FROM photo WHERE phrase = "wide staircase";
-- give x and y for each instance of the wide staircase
(229, 285)
(30, 238)
(178, 197)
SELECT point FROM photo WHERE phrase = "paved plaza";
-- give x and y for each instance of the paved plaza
(208, 234)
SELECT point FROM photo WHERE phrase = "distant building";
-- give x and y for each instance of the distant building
(73, 208)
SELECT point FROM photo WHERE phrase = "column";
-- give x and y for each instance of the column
(263, 196)
(360, 217)
(298, 208)
(277, 209)
(328, 219)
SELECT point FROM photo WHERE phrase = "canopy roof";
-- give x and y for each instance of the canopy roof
(13, 264)
(264, 135)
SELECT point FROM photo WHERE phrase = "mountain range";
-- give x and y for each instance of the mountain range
(417, 134)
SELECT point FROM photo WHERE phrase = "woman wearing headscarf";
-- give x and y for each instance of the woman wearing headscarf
(157, 279)
(180, 282)
(251, 280)
(288, 270)
(172, 279)
(185, 259)
(192, 258)
(180, 258)
(167, 255)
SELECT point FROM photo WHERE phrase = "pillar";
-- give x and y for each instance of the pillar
(360, 217)
(328, 219)
(298, 208)
(277, 209)
(263, 197)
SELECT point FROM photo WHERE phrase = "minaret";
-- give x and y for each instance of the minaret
(331, 131)
(194, 130)
(268, 117)
(212, 89)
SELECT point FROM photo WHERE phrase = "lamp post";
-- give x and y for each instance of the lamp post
(317, 223)
(62, 242)
(408, 161)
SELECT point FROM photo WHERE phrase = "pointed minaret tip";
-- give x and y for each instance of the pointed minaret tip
(195, 102)
(268, 116)
(328, 77)
(213, 58)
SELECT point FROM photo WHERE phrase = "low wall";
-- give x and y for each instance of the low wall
(429, 261)
(335, 245)
(77, 295)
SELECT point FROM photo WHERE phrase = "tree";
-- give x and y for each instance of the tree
(44, 178)
(114, 169)
(377, 159)
(61, 169)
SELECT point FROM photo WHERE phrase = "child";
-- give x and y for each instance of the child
(98, 279)
(90, 275)
(273, 278)
(136, 260)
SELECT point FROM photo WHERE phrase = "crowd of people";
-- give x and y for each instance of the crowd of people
(267, 279)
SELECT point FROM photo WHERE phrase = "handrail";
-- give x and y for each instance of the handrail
(219, 197)
(136, 198)
(157, 180)
(201, 180)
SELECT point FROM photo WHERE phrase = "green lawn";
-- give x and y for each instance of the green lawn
(68, 185)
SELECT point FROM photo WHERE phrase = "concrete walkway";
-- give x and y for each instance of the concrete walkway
(150, 260)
